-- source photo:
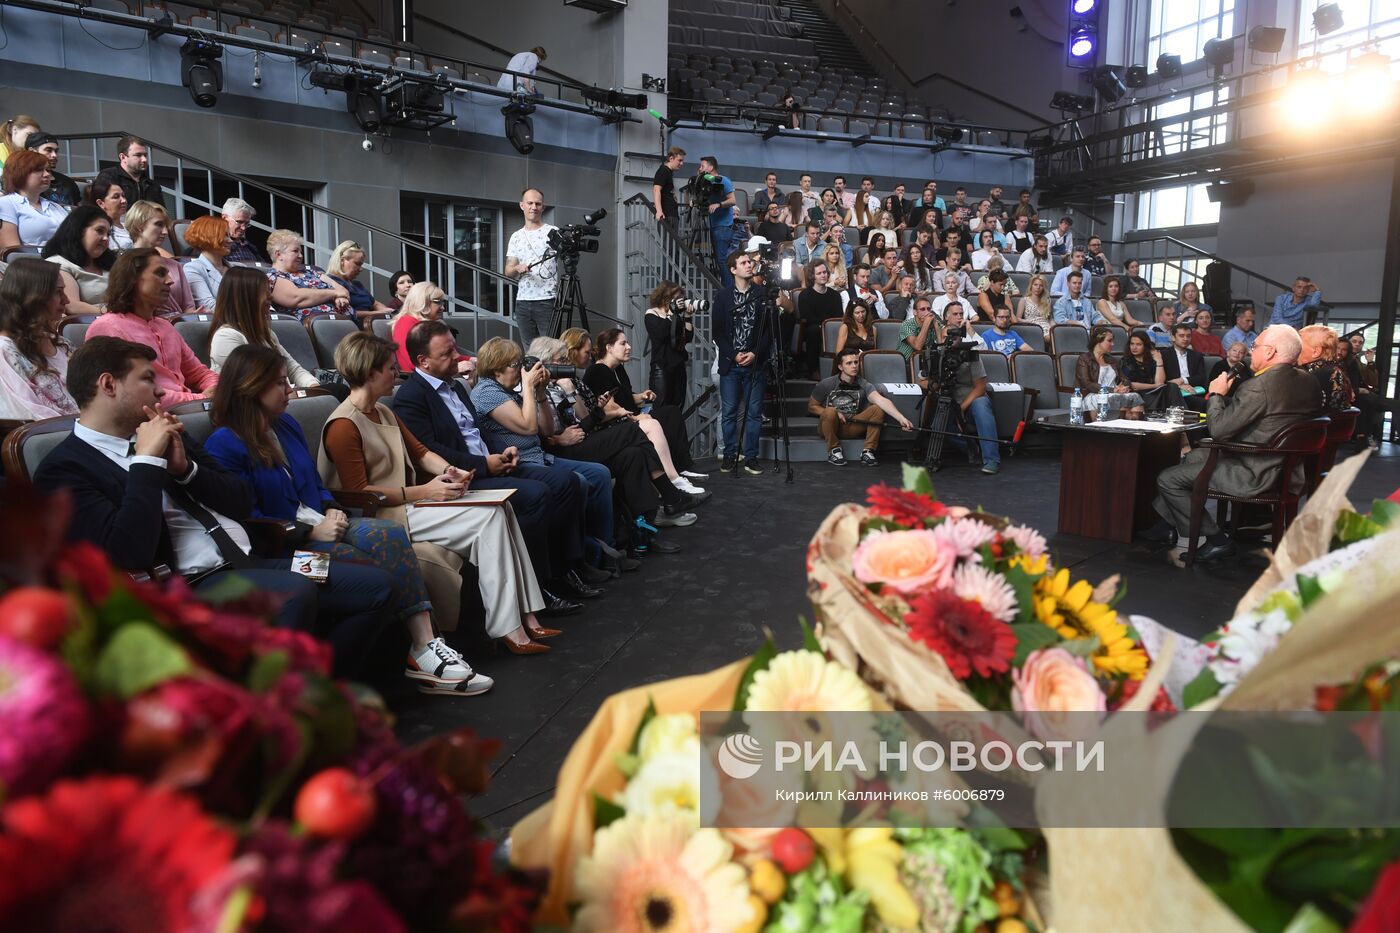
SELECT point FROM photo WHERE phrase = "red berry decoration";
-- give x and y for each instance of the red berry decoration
(793, 850)
(335, 804)
(36, 616)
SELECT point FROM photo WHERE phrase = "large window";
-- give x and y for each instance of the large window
(1176, 207)
(1182, 27)
(1362, 21)
(471, 232)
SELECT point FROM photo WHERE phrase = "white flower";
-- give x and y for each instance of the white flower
(977, 584)
(668, 783)
(1244, 643)
(665, 733)
(965, 536)
(1027, 540)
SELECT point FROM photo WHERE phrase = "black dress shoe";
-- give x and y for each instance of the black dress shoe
(591, 575)
(558, 606)
(1160, 533)
(661, 547)
(1215, 551)
(574, 586)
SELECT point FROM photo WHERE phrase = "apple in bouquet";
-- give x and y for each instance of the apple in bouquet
(335, 804)
(35, 615)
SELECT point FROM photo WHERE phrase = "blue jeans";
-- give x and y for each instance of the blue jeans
(981, 412)
(598, 501)
(742, 387)
(723, 238)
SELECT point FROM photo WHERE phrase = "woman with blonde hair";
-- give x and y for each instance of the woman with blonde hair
(424, 302)
(208, 235)
(13, 133)
(836, 264)
(297, 288)
(344, 267)
(149, 226)
(1035, 307)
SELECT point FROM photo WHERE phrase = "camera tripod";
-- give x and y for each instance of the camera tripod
(568, 299)
(777, 367)
(943, 415)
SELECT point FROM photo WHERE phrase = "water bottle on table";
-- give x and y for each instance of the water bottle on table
(1102, 414)
(1076, 407)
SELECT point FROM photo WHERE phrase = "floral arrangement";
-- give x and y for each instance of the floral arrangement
(981, 594)
(651, 865)
(170, 764)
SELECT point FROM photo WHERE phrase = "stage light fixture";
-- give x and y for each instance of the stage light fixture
(1308, 94)
(948, 134)
(1135, 76)
(773, 130)
(1267, 39)
(366, 106)
(202, 71)
(610, 97)
(1327, 18)
(1230, 193)
(520, 129)
(1369, 84)
(1083, 7)
(1219, 53)
(1108, 81)
(1069, 102)
(1082, 44)
(1168, 67)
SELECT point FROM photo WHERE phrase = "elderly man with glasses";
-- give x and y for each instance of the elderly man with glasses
(239, 214)
(1250, 412)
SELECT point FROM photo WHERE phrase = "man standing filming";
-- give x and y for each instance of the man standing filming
(743, 351)
(847, 406)
(721, 207)
(537, 278)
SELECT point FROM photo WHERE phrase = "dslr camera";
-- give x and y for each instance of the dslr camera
(690, 305)
(556, 370)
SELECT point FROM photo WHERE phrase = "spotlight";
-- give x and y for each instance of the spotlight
(364, 105)
(1230, 193)
(201, 71)
(1136, 76)
(1266, 39)
(1082, 43)
(1327, 18)
(948, 134)
(772, 131)
(609, 97)
(1168, 67)
(1068, 101)
(1369, 87)
(1083, 7)
(1307, 95)
(1109, 83)
(520, 129)
(1219, 53)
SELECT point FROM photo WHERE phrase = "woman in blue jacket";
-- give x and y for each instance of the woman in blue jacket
(260, 442)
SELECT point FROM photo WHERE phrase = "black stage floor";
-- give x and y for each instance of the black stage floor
(741, 572)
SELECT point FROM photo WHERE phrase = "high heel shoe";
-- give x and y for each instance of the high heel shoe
(530, 647)
(542, 632)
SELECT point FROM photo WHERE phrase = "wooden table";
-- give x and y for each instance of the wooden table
(1108, 474)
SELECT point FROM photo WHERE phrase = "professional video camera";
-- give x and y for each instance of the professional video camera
(570, 240)
(942, 360)
(555, 370)
(701, 186)
(778, 274)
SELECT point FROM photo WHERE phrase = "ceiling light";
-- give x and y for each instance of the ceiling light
(1168, 67)
(1327, 18)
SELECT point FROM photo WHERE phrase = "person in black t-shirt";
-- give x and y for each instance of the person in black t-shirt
(847, 406)
(772, 226)
(663, 190)
(815, 304)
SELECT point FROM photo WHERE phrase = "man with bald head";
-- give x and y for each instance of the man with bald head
(1251, 412)
(538, 282)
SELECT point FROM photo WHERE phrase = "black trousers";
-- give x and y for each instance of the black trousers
(668, 382)
(629, 456)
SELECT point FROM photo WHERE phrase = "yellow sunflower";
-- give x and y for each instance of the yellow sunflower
(1072, 612)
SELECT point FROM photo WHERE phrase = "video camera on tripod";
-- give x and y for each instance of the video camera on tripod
(572, 239)
(941, 361)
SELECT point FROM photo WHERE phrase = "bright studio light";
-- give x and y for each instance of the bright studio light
(1081, 7)
(1308, 97)
(1081, 45)
(1369, 84)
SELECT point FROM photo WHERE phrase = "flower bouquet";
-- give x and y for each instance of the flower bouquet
(626, 850)
(170, 764)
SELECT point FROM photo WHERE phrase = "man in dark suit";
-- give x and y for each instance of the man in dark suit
(1185, 368)
(548, 500)
(1279, 395)
(147, 494)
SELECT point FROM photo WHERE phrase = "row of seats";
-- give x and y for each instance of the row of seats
(741, 42)
(1064, 338)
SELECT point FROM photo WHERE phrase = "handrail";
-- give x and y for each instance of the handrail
(783, 117)
(1212, 256)
(446, 27)
(962, 85)
(840, 7)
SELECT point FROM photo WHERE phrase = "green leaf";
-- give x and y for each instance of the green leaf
(1024, 585)
(1311, 920)
(1385, 513)
(282, 780)
(629, 765)
(331, 719)
(761, 659)
(916, 479)
(1118, 598)
(999, 838)
(1083, 647)
(1031, 636)
(1201, 688)
(1309, 589)
(809, 638)
(1352, 527)
(138, 657)
(605, 812)
(267, 670)
(648, 715)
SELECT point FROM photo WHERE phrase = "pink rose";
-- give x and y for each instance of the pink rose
(904, 561)
(1052, 688)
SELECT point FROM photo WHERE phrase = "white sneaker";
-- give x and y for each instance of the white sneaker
(691, 474)
(439, 663)
(685, 485)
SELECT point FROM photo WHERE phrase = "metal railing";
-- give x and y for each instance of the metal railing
(193, 190)
(654, 254)
(1167, 263)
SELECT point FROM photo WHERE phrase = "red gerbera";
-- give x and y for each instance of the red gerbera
(1381, 909)
(912, 509)
(966, 635)
(1161, 703)
(106, 851)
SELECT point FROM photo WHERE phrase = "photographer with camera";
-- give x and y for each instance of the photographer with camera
(955, 360)
(670, 323)
(743, 352)
(716, 192)
(536, 277)
(847, 406)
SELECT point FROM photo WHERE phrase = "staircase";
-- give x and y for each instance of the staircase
(833, 48)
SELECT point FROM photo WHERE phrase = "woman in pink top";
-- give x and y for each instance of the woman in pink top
(424, 302)
(138, 288)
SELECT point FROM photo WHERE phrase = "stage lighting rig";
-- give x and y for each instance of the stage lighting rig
(1219, 53)
(1168, 67)
(1082, 34)
(1069, 102)
(1327, 18)
(520, 129)
(1108, 81)
(1268, 39)
(202, 71)
(416, 104)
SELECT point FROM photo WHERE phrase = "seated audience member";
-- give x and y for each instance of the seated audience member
(1024, 207)
(1161, 331)
(132, 172)
(952, 263)
(209, 237)
(970, 392)
(1279, 395)
(107, 194)
(424, 302)
(827, 203)
(771, 225)
(871, 254)
(994, 297)
(26, 217)
(1061, 239)
(1136, 287)
(794, 214)
(82, 251)
(399, 283)
(918, 328)
(33, 356)
(1060, 285)
(1143, 370)
(986, 249)
(1292, 308)
(815, 304)
(347, 261)
(240, 319)
(1073, 308)
(238, 216)
(952, 298)
(139, 288)
(884, 271)
(809, 246)
(847, 406)
(1098, 377)
(1095, 260)
(664, 425)
(1019, 239)
(258, 441)
(149, 227)
(884, 225)
(15, 134)
(1035, 308)
(1185, 367)
(297, 288)
(1201, 337)
(916, 263)
(669, 331)
(857, 331)
(998, 264)
(1318, 358)
(839, 275)
(147, 494)
(364, 447)
(1112, 306)
(1037, 260)
(903, 296)
(64, 190)
(1189, 304)
(1001, 337)
(860, 289)
(549, 498)
(810, 199)
(1236, 353)
(1361, 370)
(768, 194)
(1242, 332)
